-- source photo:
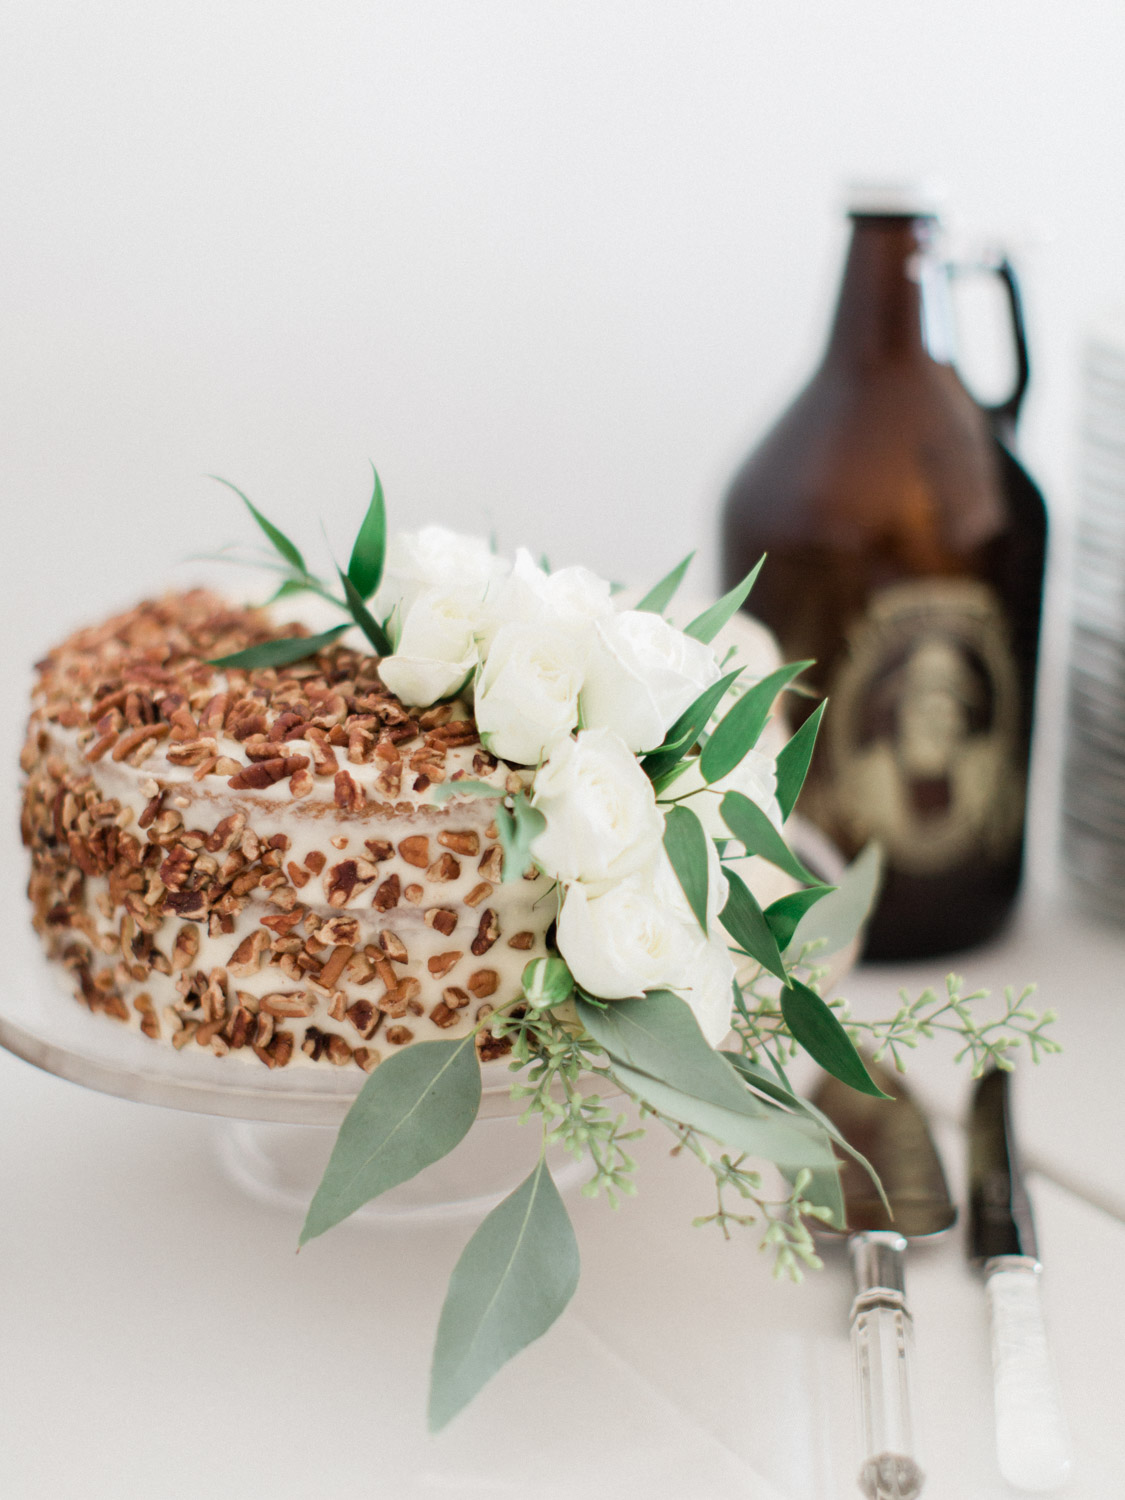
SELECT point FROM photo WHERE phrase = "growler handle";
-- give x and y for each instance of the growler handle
(1003, 415)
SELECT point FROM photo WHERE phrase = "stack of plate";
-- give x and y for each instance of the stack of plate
(1094, 780)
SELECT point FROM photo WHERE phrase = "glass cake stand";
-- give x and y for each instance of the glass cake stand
(276, 1127)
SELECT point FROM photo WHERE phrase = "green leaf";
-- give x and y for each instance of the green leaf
(686, 846)
(517, 829)
(842, 913)
(687, 728)
(752, 827)
(759, 1079)
(547, 982)
(280, 653)
(515, 1277)
(365, 567)
(817, 1028)
(744, 919)
(288, 551)
(785, 913)
(364, 618)
(415, 1107)
(705, 627)
(466, 788)
(287, 588)
(657, 1034)
(739, 729)
(768, 1134)
(793, 761)
(658, 598)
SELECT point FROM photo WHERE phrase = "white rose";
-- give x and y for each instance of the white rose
(527, 692)
(436, 649)
(623, 941)
(602, 817)
(626, 940)
(755, 777)
(642, 674)
(707, 985)
(568, 601)
(434, 558)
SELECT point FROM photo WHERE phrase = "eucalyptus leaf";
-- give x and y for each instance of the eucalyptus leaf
(688, 727)
(793, 761)
(813, 1023)
(784, 914)
(369, 551)
(842, 913)
(741, 726)
(469, 787)
(744, 919)
(413, 1109)
(513, 1280)
(658, 1035)
(705, 627)
(282, 543)
(759, 1079)
(686, 846)
(364, 618)
(658, 598)
(517, 829)
(769, 1134)
(752, 827)
(280, 653)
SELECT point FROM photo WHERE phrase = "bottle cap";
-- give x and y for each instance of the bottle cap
(897, 198)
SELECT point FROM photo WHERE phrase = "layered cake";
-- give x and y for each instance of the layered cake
(271, 862)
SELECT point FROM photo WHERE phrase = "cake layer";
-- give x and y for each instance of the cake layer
(270, 862)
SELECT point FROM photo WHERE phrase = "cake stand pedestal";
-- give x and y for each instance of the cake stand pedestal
(276, 1128)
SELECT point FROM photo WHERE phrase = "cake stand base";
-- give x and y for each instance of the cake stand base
(281, 1165)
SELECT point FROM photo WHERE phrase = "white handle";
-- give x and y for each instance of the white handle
(1031, 1441)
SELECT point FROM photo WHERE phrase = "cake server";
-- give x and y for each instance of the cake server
(893, 1136)
(1031, 1442)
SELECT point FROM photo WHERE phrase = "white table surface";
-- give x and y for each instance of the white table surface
(161, 1339)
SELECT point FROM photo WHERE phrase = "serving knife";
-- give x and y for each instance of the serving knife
(893, 1136)
(1031, 1442)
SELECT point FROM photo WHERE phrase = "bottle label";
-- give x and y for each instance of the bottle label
(923, 741)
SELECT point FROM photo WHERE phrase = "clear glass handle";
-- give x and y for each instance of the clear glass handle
(882, 1345)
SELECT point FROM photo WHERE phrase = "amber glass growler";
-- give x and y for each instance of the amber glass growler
(905, 556)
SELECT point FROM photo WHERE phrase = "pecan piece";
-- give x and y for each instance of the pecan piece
(348, 793)
(393, 946)
(483, 982)
(441, 963)
(443, 869)
(332, 970)
(463, 841)
(387, 895)
(416, 850)
(442, 919)
(487, 933)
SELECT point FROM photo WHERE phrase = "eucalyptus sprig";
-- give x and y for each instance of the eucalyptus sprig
(358, 585)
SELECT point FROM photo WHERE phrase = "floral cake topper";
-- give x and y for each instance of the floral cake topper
(646, 790)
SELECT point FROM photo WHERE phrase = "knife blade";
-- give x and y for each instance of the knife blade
(1031, 1442)
(893, 1136)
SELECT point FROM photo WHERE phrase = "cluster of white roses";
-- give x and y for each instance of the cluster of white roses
(544, 653)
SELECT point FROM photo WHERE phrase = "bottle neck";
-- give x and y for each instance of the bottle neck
(888, 305)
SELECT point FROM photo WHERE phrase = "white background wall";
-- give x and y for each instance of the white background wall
(551, 265)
